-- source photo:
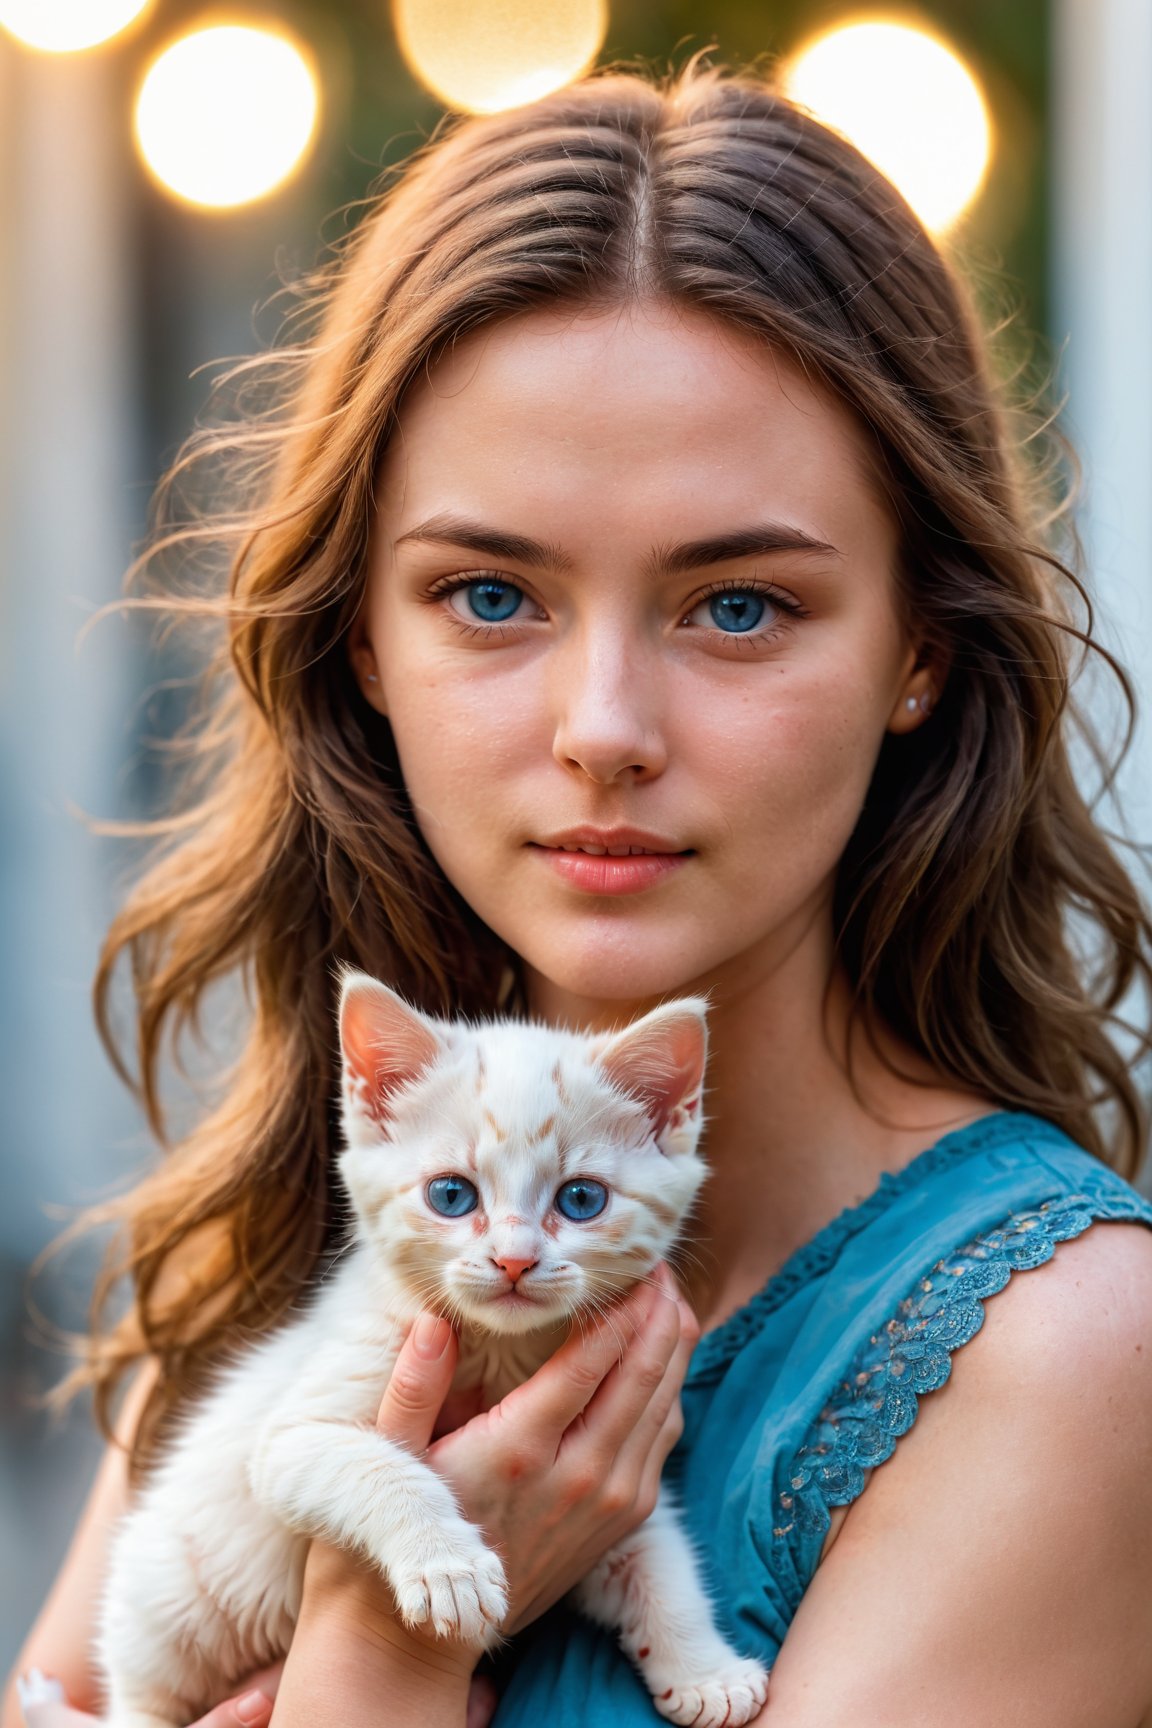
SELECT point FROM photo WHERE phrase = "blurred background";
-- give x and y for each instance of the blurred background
(163, 166)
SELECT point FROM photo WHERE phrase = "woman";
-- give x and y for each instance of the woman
(643, 490)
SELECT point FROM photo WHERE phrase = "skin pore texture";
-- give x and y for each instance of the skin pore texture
(606, 696)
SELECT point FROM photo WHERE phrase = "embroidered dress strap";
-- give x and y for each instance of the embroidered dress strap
(876, 1403)
(861, 1412)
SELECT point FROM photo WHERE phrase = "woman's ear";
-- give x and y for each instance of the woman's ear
(920, 690)
(362, 659)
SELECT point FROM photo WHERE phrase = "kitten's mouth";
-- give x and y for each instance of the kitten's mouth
(514, 1300)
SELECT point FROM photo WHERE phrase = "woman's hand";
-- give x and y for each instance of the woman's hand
(555, 1474)
(564, 1467)
(569, 1463)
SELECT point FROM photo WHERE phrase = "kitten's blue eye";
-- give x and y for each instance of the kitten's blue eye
(452, 1196)
(582, 1198)
(737, 610)
(490, 600)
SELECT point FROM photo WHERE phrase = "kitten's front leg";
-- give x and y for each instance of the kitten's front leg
(648, 1589)
(352, 1487)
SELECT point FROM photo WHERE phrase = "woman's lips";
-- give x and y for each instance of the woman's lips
(606, 875)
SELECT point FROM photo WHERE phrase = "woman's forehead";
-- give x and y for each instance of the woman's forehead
(642, 412)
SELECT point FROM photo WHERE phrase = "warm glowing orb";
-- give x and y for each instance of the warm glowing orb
(64, 26)
(225, 115)
(485, 55)
(908, 102)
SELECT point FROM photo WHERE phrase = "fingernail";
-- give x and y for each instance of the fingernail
(430, 1336)
(253, 1705)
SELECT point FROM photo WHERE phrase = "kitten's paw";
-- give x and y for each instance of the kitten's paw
(728, 1697)
(458, 1592)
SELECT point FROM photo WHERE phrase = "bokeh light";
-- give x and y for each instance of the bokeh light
(486, 55)
(66, 26)
(908, 102)
(224, 115)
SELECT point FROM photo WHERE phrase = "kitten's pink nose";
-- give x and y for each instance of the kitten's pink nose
(513, 1267)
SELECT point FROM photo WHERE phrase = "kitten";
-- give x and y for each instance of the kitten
(511, 1176)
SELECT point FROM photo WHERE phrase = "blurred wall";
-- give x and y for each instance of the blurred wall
(69, 455)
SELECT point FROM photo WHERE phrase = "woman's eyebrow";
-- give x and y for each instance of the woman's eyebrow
(764, 537)
(450, 530)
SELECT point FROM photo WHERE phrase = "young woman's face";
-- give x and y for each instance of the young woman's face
(632, 586)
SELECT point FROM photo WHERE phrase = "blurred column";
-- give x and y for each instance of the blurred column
(67, 461)
(67, 453)
(1102, 280)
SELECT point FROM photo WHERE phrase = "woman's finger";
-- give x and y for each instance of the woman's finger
(419, 1384)
(651, 1430)
(251, 1709)
(44, 1705)
(558, 1393)
(459, 1408)
(629, 1388)
(482, 1701)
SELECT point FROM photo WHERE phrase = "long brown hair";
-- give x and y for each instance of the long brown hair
(298, 850)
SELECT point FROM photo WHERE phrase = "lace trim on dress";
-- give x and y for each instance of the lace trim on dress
(878, 1402)
(718, 1347)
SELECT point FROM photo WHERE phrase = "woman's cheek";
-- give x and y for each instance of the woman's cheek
(458, 735)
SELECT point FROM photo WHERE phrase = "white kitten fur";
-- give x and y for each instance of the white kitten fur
(206, 1570)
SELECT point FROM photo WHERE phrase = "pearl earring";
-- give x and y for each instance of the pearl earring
(371, 678)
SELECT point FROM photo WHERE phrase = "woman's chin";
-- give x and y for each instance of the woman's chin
(629, 974)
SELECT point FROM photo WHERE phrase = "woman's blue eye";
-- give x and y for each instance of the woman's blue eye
(737, 610)
(582, 1199)
(492, 601)
(452, 1196)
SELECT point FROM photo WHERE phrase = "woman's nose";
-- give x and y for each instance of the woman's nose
(607, 725)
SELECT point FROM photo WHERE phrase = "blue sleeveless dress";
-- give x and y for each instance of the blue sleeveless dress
(798, 1394)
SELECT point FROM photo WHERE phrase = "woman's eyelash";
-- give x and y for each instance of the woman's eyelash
(786, 602)
(466, 579)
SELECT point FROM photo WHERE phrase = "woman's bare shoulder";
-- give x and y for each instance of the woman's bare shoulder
(1003, 1553)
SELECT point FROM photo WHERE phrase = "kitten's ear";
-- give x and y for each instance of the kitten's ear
(660, 1061)
(384, 1043)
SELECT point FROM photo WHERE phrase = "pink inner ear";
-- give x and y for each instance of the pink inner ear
(661, 1063)
(385, 1043)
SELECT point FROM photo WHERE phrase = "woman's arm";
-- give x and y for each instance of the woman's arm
(998, 1568)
